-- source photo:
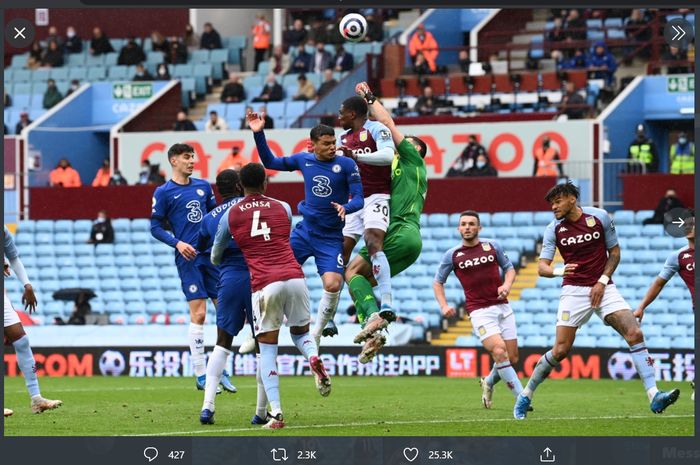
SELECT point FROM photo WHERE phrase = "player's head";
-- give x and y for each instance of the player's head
(469, 225)
(562, 198)
(323, 140)
(352, 109)
(181, 158)
(229, 184)
(690, 227)
(419, 145)
(253, 178)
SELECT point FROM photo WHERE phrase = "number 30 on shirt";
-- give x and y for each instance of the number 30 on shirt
(259, 229)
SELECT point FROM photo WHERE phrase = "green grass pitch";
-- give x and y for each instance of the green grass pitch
(429, 406)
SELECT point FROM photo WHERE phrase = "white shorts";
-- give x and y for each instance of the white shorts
(374, 215)
(278, 300)
(11, 316)
(575, 305)
(496, 319)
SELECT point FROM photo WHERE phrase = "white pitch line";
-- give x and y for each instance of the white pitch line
(427, 422)
(164, 388)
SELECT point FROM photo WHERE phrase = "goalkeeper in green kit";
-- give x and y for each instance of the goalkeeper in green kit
(402, 244)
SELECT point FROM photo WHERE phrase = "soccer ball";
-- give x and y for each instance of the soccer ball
(353, 27)
(112, 363)
(621, 366)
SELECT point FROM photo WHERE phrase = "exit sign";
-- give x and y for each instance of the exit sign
(681, 84)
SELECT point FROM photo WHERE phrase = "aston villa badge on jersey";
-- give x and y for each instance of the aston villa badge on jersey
(363, 136)
(590, 221)
(486, 246)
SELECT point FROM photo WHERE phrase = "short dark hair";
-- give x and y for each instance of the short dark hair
(253, 175)
(302, 77)
(423, 146)
(321, 130)
(567, 188)
(213, 112)
(179, 149)
(227, 182)
(470, 213)
(357, 105)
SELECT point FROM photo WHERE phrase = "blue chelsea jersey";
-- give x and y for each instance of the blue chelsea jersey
(232, 257)
(184, 207)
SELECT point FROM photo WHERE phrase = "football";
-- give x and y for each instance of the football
(112, 363)
(621, 366)
(353, 27)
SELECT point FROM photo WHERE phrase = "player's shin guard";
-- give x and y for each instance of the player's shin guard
(196, 335)
(543, 368)
(326, 310)
(493, 377)
(25, 360)
(306, 344)
(215, 367)
(510, 377)
(261, 405)
(270, 378)
(645, 368)
(382, 273)
(365, 305)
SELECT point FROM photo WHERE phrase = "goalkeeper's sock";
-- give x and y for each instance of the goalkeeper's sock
(326, 310)
(493, 377)
(215, 368)
(25, 360)
(509, 376)
(196, 335)
(363, 297)
(645, 368)
(261, 406)
(268, 373)
(306, 344)
(382, 273)
(543, 368)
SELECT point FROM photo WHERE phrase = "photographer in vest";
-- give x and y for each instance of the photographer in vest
(643, 149)
(682, 156)
(547, 160)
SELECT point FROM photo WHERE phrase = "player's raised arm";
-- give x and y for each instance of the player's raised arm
(221, 240)
(378, 111)
(268, 159)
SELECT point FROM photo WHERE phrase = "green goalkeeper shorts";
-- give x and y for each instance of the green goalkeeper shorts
(402, 246)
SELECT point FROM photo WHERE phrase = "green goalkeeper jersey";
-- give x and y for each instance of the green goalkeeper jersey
(409, 185)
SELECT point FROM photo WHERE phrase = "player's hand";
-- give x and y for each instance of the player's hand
(448, 312)
(29, 299)
(347, 152)
(186, 250)
(362, 89)
(340, 209)
(503, 292)
(6, 270)
(570, 268)
(639, 314)
(596, 294)
(256, 122)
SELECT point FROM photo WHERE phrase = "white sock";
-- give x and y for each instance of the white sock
(197, 349)
(326, 310)
(261, 407)
(382, 273)
(542, 370)
(645, 368)
(25, 360)
(215, 367)
(306, 344)
(270, 378)
(509, 376)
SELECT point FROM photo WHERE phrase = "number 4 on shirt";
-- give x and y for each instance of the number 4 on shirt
(259, 229)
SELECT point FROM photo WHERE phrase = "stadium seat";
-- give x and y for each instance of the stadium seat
(141, 225)
(644, 256)
(611, 342)
(659, 342)
(501, 219)
(536, 341)
(685, 342)
(467, 341)
(117, 319)
(623, 217)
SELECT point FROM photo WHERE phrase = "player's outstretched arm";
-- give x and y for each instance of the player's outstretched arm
(378, 111)
(651, 295)
(269, 160)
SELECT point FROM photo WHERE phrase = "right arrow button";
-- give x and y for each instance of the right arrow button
(678, 33)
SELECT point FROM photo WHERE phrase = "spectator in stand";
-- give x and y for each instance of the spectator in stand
(53, 58)
(36, 55)
(557, 33)
(54, 37)
(52, 96)
(162, 72)
(322, 59)
(303, 62)
(269, 122)
(424, 42)
(5, 130)
(74, 85)
(677, 61)
(420, 66)
(6, 99)
(177, 54)
(318, 31)
(142, 74)
(210, 38)
(99, 44)
(464, 61)
(64, 175)
(643, 149)
(602, 64)
(191, 39)
(102, 231)
(375, 30)
(233, 161)
(296, 35)
(244, 120)
(546, 160)
(261, 32)
(638, 29)
(572, 104)
(682, 155)
(427, 103)
(344, 61)
(667, 203)
(159, 43)
(73, 43)
(482, 167)
(471, 152)
(131, 53)
(272, 92)
(104, 174)
(183, 123)
(23, 122)
(306, 89)
(327, 85)
(117, 179)
(151, 174)
(578, 61)
(280, 61)
(234, 91)
(575, 26)
(215, 123)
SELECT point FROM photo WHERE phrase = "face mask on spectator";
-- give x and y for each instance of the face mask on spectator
(70, 34)
(101, 219)
(682, 140)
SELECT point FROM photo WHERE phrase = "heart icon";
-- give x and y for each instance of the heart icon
(411, 453)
